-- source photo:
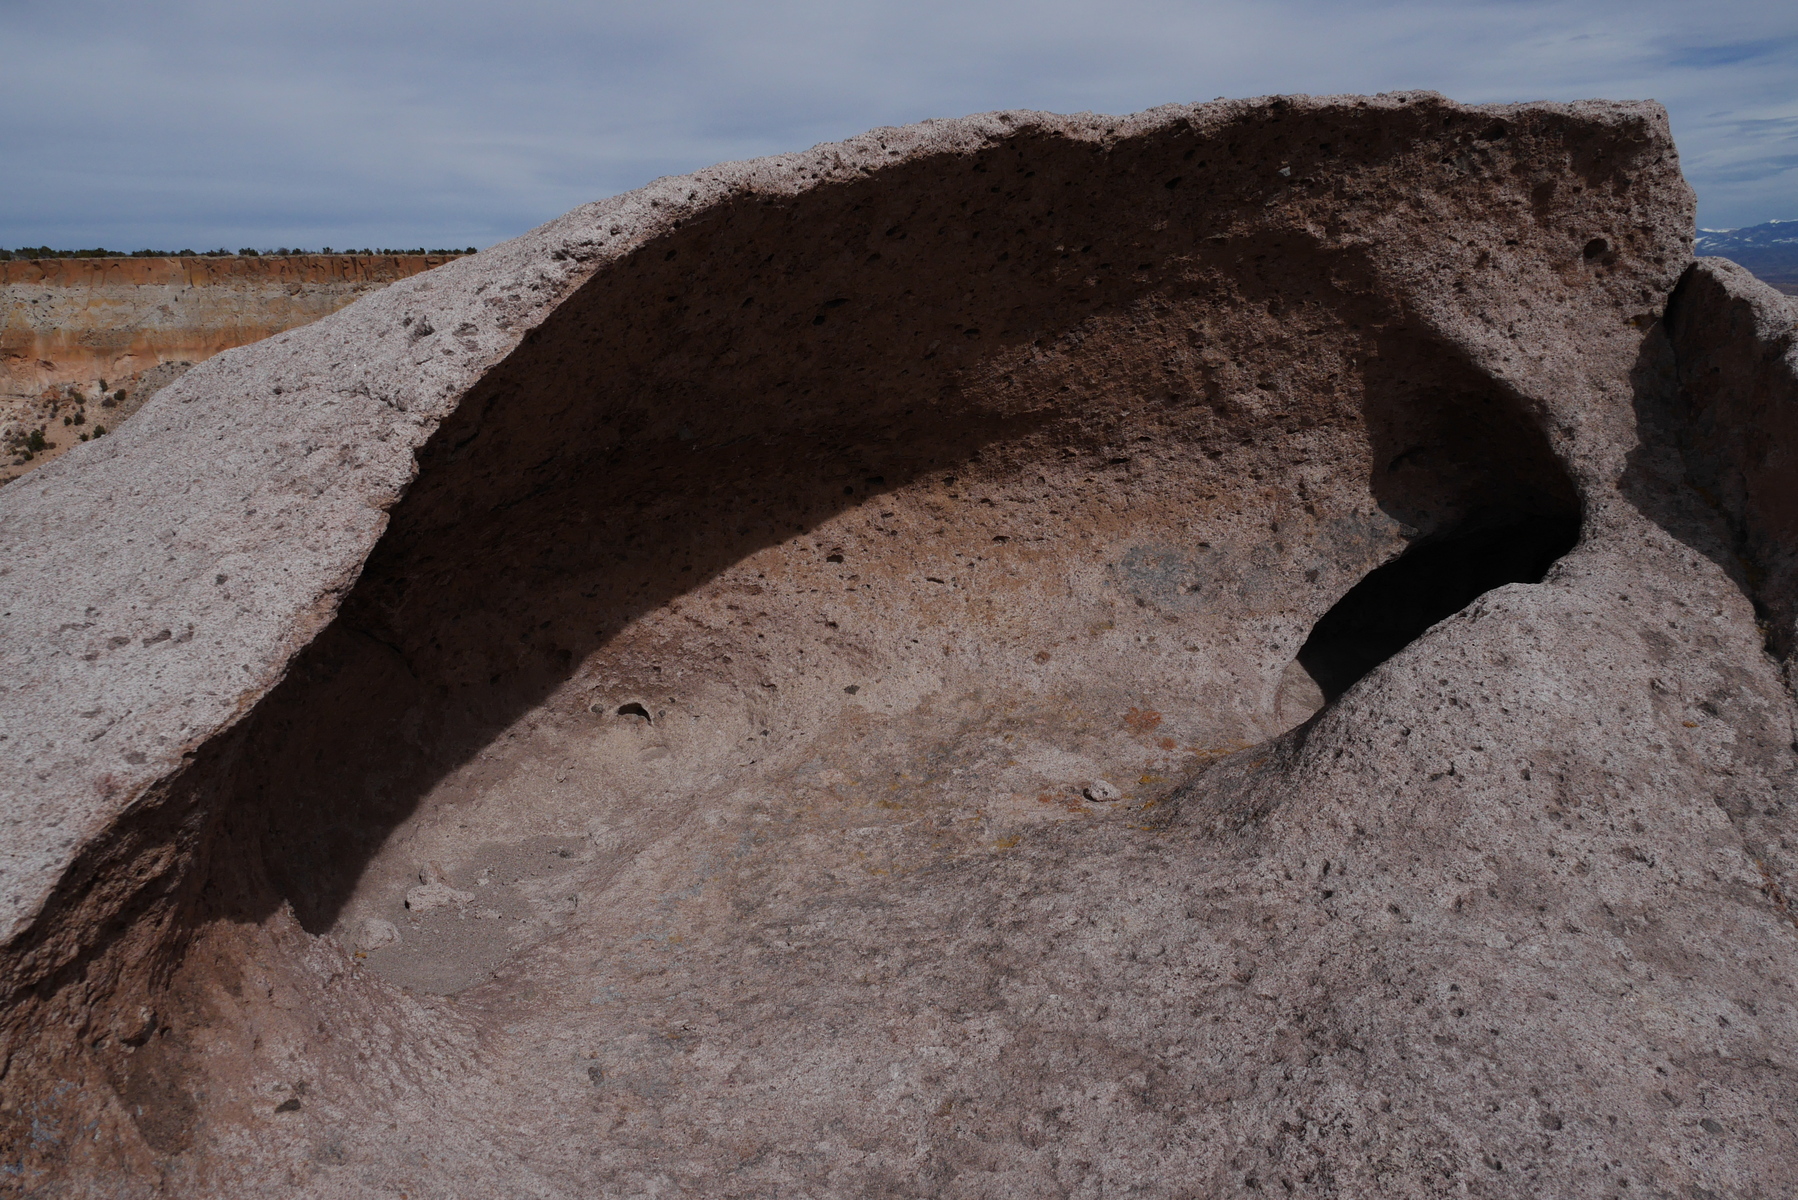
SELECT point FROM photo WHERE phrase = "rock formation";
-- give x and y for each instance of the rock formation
(1234, 649)
(85, 342)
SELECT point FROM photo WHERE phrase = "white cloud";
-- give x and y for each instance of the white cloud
(197, 122)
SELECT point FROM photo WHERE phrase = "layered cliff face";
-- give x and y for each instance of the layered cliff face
(1018, 656)
(84, 342)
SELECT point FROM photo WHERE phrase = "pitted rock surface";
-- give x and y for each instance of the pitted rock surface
(1237, 649)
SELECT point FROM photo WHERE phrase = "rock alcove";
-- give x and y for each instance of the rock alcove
(933, 544)
(973, 662)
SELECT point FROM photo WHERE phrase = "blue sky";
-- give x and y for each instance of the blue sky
(200, 123)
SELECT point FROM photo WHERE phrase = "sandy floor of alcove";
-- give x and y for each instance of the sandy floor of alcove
(1071, 673)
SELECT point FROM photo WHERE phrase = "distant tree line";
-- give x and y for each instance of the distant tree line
(29, 252)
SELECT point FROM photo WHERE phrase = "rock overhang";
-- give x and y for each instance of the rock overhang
(386, 399)
(1026, 424)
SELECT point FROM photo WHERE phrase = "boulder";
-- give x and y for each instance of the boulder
(1233, 649)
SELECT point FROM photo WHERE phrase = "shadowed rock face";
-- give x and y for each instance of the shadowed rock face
(1016, 656)
(1737, 349)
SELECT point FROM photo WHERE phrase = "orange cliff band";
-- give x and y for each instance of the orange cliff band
(75, 322)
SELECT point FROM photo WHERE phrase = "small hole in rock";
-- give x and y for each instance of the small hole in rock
(633, 709)
(1396, 603)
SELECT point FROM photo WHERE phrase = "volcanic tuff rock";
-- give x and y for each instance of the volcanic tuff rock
(1207, 652)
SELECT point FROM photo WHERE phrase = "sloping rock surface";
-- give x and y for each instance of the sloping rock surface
(86, 341)
(1225, 650)
(78, 320)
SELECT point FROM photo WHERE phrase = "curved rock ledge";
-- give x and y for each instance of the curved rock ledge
(1192, 653)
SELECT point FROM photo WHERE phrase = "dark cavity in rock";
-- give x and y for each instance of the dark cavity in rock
(1396, 603)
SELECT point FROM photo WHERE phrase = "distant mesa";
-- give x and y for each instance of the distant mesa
(86, 336)
(37, 252)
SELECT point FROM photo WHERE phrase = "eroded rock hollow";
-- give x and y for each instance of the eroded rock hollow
(1232, 649)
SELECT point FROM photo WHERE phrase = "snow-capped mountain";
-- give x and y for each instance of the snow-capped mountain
(1769, 250)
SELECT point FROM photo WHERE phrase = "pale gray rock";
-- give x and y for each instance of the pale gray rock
(377, 934)
(427, 896)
